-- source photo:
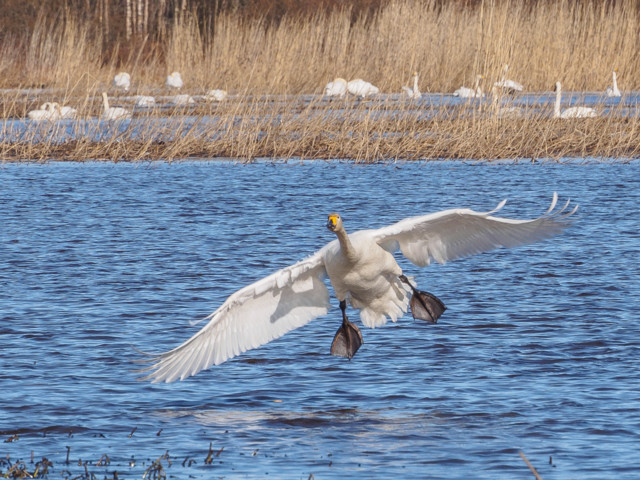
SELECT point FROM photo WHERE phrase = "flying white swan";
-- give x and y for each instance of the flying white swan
(509, 86)
(336, 88)
(216, 95)
(466, 92)
(414, 92)
(48, 111)
(571, 112)
(360, 88)
(113, 113)
(613, 90)
(122, 80)
(174, 80)
(363, 271)
(145, 101)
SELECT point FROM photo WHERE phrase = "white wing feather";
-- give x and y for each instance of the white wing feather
(253, 316)
(457, 233)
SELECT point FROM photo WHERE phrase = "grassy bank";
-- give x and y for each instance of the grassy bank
(446, 43)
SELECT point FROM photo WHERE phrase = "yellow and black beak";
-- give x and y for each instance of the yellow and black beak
(332, 222)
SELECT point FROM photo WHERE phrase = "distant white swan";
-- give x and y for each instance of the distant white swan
(145, 101)
(613, 90)
(48, 111)
(122, 80)
(183, 99)
(216, 95)
(113, 113)
(64, 111)
(509, 86)
(174, 80)
(414, 92)
(337, 88)
(466, 92)
(572, 112)
(360, 88)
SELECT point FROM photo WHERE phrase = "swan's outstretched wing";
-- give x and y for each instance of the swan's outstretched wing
(253, 316)
(457, 233)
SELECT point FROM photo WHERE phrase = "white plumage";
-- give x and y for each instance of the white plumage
(509, 86)
(122, 80)
(571, 112)
(174, 80)
(413, 93)
(182, 99)
(145, 101)
(613, 91)
(336, 88)
(361, 269)
(48, 111)
(216, 95)
(361, 88)
(113, 113)
(466, 92)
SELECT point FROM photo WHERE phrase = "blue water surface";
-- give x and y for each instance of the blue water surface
(537, 352)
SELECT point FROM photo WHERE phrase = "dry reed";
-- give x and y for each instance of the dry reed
(578, 43)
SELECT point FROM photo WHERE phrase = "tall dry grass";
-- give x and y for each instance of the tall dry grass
(576, 42)
(544, 41)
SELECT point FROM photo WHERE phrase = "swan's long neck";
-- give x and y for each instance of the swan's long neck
(105, 101)
(345, 245)
(556, 106)
(415, 84)
(615, 82)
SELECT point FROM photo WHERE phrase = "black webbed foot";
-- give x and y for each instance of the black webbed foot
(348, 337)
(424, 305)
(347, 340)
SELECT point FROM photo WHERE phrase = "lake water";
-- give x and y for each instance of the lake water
(539, 350)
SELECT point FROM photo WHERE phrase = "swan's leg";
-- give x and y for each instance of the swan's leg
(348, 337)
(424, 305)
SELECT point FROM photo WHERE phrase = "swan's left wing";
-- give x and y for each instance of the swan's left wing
(457, 233)
(253, 316)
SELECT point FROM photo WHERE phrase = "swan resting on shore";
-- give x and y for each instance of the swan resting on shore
(361, 88)
(48, 111)
(413, 93)
(571, 112)
(113, 113)
(475, 92)
(363, 272)
(174, 80)
(122, 80)
(336, 88)
(613, 90)
(508, 86)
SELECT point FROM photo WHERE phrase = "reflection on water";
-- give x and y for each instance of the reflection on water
(538, 350)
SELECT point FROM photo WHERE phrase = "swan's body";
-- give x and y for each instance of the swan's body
(466, 92)
(183, 99)
(145, 101)
(174, 80)
(509, 86)
(613, 91)
(362, 270)
(414, 92)
(216, 95)
(48, 111)
(336, 88)
(571, 112)
(122, 80)
(361, 88)
(113, 113)
(68, 112)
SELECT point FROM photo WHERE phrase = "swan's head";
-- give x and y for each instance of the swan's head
(557, 87)
(334, 223)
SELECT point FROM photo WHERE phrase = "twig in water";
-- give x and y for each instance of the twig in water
(538, 477)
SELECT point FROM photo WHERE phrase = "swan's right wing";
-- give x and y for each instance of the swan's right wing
(253, 316)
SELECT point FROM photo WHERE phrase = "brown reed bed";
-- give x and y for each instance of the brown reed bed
(578, 43)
